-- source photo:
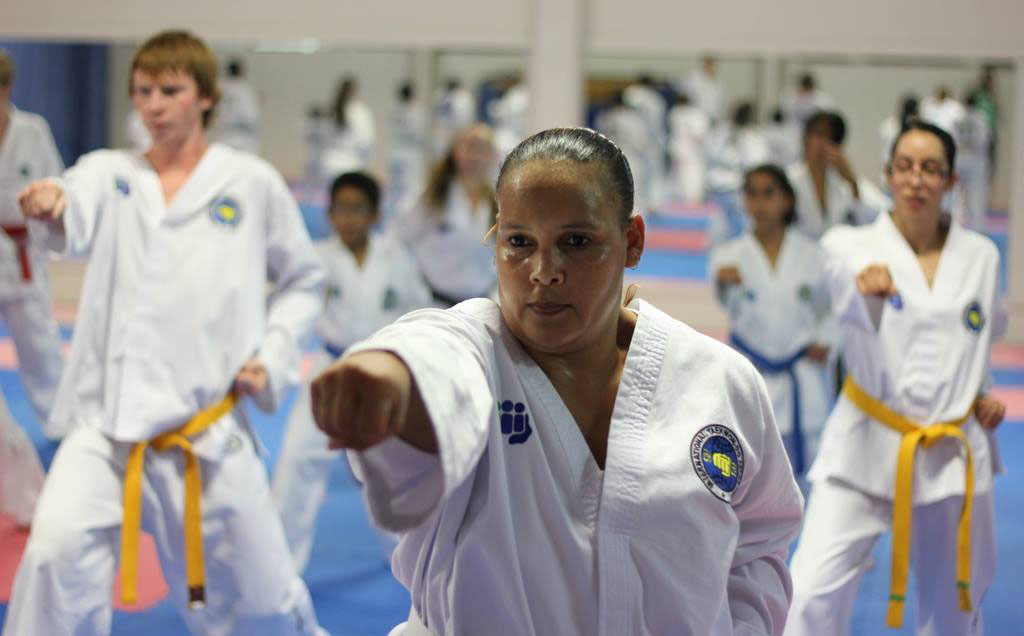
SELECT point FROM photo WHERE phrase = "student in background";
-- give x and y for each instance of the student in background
(771, 282)
(371, 282)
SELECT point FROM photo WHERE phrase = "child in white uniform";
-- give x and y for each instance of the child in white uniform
(558, 463)
(909, 444)
(371, 282)
(771, 281)
(175, 327)
(27, 153)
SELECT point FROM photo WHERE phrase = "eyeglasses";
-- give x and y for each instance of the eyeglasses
(351, 209)
(930, 171)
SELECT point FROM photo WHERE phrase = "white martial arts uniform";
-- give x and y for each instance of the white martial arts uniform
(174, 302)
(21, 473)
(508, 114)
(688, 130)
(842, 206)
(513, 528)
(360, 300)
(238, 116)
(944, 113)
(924, 353)
(453, 111)
(706, 92)
(348, 148)
(449, 246)
(652, 107)
(407, 165)
(777, 313)
(798, 107)
(627, 127)
(27, 153)
(972, 165)
(784, 147)
(730, 153)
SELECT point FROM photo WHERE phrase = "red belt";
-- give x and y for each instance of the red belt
(19, 234)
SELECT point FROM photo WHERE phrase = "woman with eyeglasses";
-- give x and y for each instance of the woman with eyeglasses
(910, 442)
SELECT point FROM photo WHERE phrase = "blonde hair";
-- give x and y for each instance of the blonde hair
(180, 51)
(6, 69)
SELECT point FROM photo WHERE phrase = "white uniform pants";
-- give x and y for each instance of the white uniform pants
(63, 585)
(299, 484)
(841, 527)
(21, 473)
(37, 340)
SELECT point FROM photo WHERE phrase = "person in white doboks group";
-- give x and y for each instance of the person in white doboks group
(910, 444)
(688, 128)
(731, 150)
(27, 153)
(201, 280)
(407, 165)
(827, 189)
(454, 110)
(371, 282)
(771, 282)
(238, 114)
(445, 230)
(705, 89)
(349, 133)
(973, 165)
(561, 462)
(891, 126)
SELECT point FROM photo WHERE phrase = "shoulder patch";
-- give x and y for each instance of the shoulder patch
(718, 460)
(225, 211)
(974, 317)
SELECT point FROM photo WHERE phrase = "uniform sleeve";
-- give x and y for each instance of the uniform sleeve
(448, 359)
(52, 164)
(87, 189)
(848, 305)
(295, 301)
(769, 513)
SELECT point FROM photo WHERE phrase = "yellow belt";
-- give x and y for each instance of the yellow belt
(913, 435)
(193, 490)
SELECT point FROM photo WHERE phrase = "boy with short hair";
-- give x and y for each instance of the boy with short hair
(174, 328)
(371, 282)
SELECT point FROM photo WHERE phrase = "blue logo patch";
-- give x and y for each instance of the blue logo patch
(122, 186)
(390, 299)
(974, 318)
(225, 211)
(515, 421)
(896, 301)
(804, 293)
(718, 460)
(26, 171)
(749, 294)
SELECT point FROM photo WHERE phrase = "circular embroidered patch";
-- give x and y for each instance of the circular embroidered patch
(226, 211)
(974, 318)
(718, 460)
(896, 301)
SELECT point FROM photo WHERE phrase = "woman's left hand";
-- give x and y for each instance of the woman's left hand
(989, 411)
(818, 353)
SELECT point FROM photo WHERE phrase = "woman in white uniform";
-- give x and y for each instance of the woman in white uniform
(558, 463)
(350, 133)
(910, 442)
(771, 282)
(371, 282)
(827, 190)
(445, 231)
(27, 153)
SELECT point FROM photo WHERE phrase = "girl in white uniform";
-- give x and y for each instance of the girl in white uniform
(771, 282)
(349, 133)
(827, 190)
(688, 128)
(27, 153)
(558, 463)
(445, 231)
(909, 444)
(371, 282)
(175, 325)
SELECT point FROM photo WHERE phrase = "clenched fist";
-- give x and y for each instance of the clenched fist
(42, 200)
(367, 398)
(989, 411)
(875, 280)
